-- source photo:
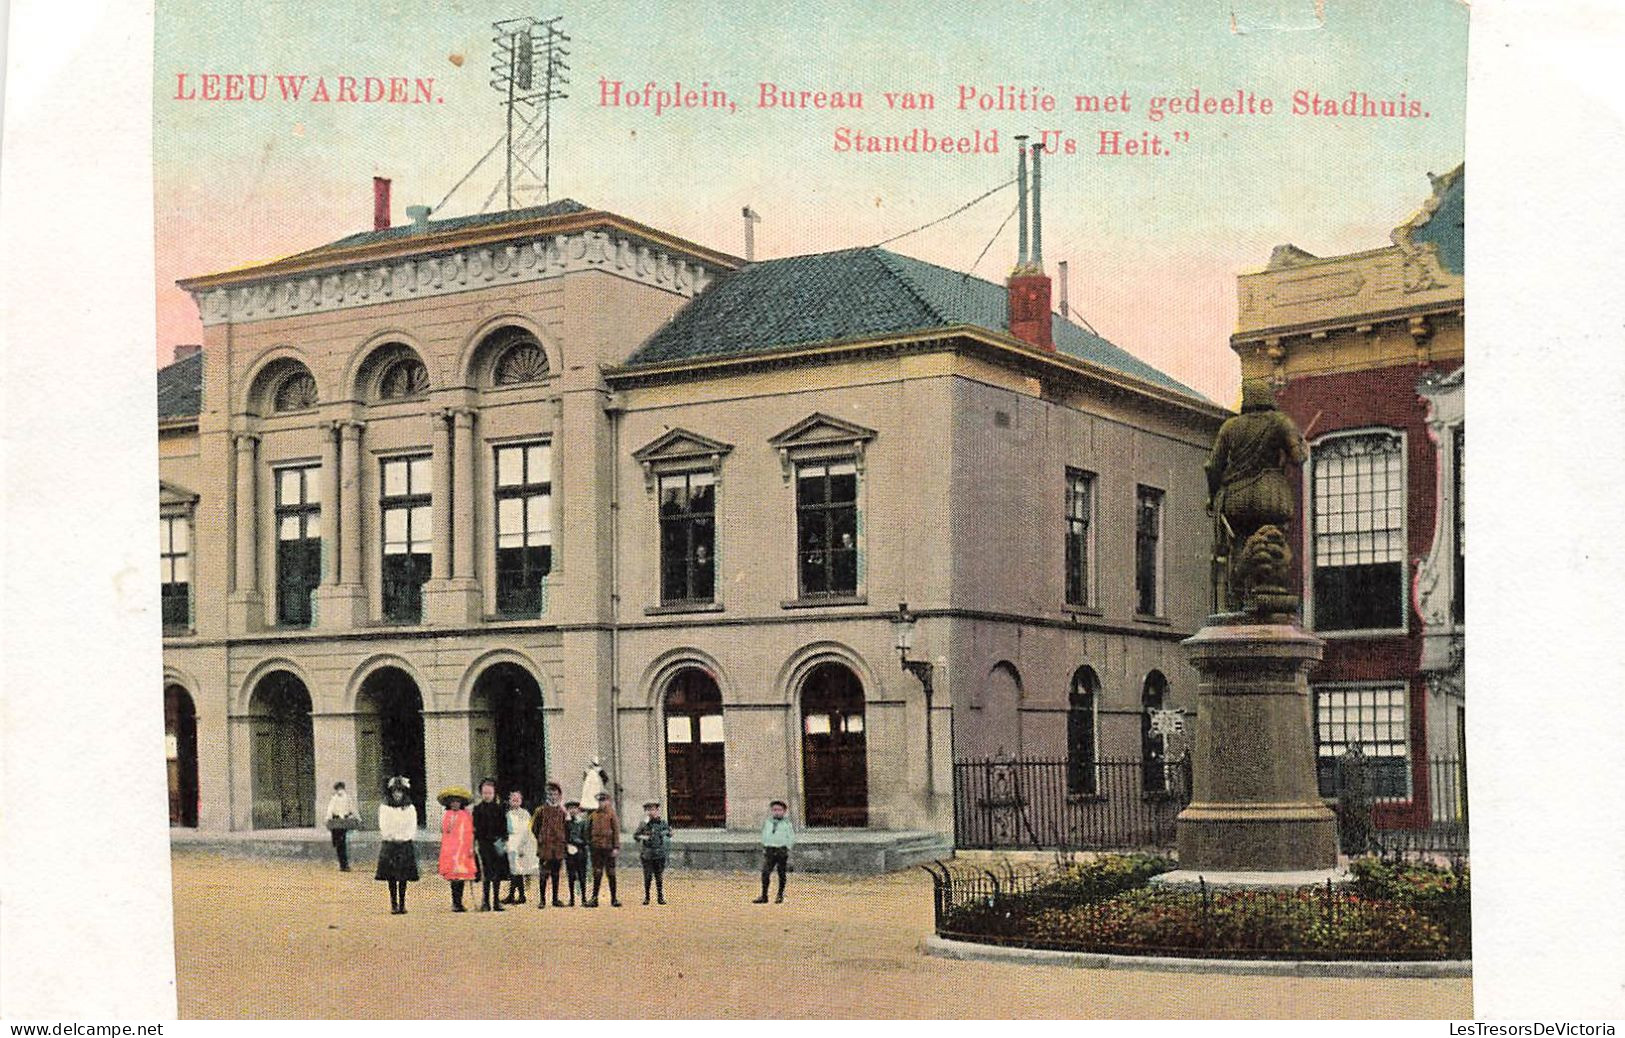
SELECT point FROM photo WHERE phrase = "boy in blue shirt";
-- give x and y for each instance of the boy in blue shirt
(778, 836)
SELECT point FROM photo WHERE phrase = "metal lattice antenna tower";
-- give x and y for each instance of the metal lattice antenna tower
(529, 71)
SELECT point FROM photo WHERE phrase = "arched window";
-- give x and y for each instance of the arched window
(521, 359)
(1082, 772)
(296, 392)
(1153, 745)
(404, 378)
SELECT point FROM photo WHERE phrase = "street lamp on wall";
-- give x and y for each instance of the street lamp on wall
(903, 638)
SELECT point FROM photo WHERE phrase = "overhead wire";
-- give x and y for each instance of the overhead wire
(991, 240)
(949, 216)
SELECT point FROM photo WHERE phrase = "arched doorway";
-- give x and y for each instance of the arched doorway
(834, 754)
(282, 753)
(1002, 724)
(696, 759)
(389, 739)
(507, 738)
(180, 748)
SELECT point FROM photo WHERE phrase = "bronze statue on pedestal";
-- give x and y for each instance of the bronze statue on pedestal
(1253, 501)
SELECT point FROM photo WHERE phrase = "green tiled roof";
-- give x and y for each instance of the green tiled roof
(563, 207)
(1445, 226)
(180, 387)
(851, 295)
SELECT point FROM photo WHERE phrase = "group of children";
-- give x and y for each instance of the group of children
(495, 844)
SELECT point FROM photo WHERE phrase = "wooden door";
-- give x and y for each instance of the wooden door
(296, 772)
(283, 773)
(834, 750)
(696, 753)
(180, 747)
(369, 776)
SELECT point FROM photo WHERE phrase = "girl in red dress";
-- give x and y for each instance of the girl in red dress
(456, 842)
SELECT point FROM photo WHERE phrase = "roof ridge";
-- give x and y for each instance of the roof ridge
(885, 256)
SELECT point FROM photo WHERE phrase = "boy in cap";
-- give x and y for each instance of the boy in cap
(605, 828)
(548, 826)
(654, 846)
(577, 837)
(778, 836)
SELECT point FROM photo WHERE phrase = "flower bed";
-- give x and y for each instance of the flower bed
(1390, 912)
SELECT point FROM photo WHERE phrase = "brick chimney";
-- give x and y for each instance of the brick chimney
(187, 349)
(380, 203)
(1028, 285)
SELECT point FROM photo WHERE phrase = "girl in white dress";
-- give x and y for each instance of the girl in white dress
(397, 854)
(522, 859)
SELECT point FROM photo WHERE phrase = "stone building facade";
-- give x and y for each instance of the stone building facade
(1366, 352)
(498, 495)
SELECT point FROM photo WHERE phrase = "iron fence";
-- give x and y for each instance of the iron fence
(1008, 804)
(1422, 822)
(1068, 909)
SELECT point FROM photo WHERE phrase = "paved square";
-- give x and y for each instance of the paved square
(273, 939)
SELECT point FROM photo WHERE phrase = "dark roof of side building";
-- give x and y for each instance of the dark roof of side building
(851, 295)
(180, 388)
(1445, 226)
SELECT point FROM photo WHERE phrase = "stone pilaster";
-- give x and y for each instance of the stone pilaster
(452, 596)
(342, 604)
(246, 607)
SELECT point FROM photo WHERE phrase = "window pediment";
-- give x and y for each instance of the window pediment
(820, 436)
(173, 495)
(679, 449)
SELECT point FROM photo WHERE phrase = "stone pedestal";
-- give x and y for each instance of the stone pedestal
(245, 612)
(1255, 813)
(340, 607)
(453, 602)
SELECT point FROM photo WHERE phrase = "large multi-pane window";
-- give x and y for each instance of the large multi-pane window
(688, 537)
(407, 510)
(1358, 504)
(175, 570)
(524, 496)
(1372, 718)
(827, 527)
(1458, 598)
(1082, 773)
(1148, 551)
(1080, 513)
(298, 542)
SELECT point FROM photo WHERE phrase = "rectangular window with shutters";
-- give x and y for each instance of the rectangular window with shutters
(1373, 718)
(827, 528)
(175, 570)
(406, 507)
(1357, 506)
(1148, 551)
(524, 517)
(1080, 514)
(688, 537)
(298, 542)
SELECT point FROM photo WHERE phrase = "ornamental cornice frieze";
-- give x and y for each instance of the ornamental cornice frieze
(455, 270)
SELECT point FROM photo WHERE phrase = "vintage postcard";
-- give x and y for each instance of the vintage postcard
(816, 512)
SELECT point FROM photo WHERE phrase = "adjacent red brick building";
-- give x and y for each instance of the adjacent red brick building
(1366, 354)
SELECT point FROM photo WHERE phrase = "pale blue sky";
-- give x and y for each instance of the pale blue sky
(1154, 243)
